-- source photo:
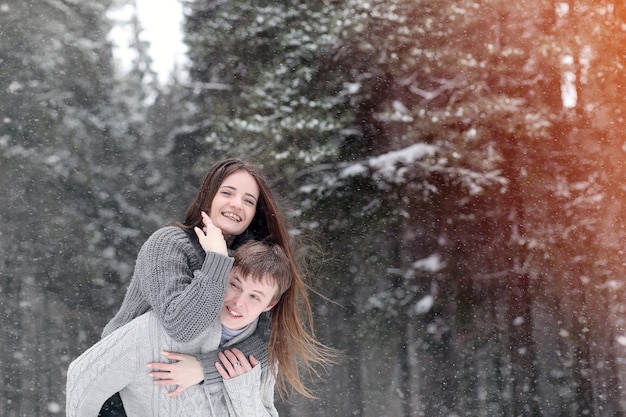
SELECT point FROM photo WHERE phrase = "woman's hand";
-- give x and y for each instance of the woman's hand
(211, 237)
(234, 363)
(184, 373)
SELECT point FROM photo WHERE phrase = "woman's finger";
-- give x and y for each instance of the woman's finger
(222, 371)
(237, 354)
(232, 358)
(206, 219)
(226, 363)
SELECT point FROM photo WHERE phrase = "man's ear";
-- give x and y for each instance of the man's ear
(271, 306)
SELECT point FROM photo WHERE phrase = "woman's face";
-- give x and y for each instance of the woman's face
(234, 204)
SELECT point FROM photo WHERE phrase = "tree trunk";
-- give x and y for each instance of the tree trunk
(521, 348)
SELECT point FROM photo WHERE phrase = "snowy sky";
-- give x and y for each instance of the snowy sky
(162, 28)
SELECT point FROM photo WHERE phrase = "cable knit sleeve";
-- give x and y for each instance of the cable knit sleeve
(252, 394)
(100, 372)
(184, 285)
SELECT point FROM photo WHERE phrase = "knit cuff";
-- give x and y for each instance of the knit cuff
(246, 384)
(217, 265)
(255, 345)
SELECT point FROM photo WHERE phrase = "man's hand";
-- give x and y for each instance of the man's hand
(184, 373)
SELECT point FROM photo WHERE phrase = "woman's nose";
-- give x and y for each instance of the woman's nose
(235, 203)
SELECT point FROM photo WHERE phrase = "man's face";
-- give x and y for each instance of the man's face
(245, 300)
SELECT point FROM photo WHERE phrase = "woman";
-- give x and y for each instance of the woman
(176, 276)
(261, 280)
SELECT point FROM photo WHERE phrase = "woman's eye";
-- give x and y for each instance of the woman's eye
(250, 202)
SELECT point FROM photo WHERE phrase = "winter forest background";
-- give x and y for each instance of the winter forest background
(454, 171)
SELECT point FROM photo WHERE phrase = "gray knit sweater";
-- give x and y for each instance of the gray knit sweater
(118, 364)
(185, 286)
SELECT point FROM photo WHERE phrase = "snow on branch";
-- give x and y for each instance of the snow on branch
(403, 167)
(386, 166)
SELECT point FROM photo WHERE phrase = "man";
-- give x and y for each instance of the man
(260, 275)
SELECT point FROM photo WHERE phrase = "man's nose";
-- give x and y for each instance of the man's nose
(238, 300)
